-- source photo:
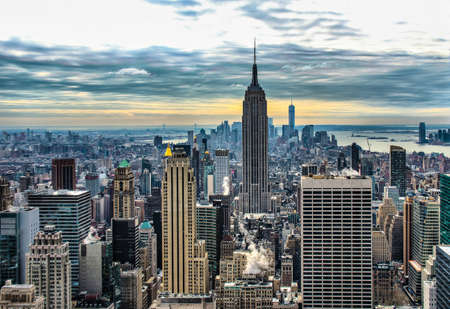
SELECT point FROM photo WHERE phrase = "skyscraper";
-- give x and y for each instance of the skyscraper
(210, 229)
(341, 162)
(445, 208)
(308, 135)
(92, 252)
(157, 224)
(131, 289)
(70, 213)
(184, 258)
(123, 191)
(254, 195)
(92, 183)
(407, 223)
(125, 240)
(424, 235)
(223, 203)
(380, 247)
(442, 269)
(64, 174)
(191, 138)
(147, 238)
(397, 162)
(5, 194)
(355, 157)
(18, 226)
(425, 229)
(292, 117)
(146, 183)
(422, 133)
(392, 192)
(49, 268)
(222, 170)
(336, 243)
(395, 237)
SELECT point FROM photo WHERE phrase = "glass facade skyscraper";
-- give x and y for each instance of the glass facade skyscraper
(397, 160)
(442, 270)
(18, 226)
(222, 170)
(292, 117)
(445, 209)
(422, 133)
(70, 213)
(424, 230)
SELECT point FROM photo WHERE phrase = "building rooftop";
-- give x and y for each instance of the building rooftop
(18, 209)
(168, 152)
(124, 163)
(61, 192)
(337, 177)
(446, 249)
(145, 225)
(18, 286)
(241, 283)
(416, 265)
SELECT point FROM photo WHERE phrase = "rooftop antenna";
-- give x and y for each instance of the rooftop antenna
(254, 50)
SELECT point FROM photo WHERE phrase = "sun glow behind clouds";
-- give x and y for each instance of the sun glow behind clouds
(153, 113)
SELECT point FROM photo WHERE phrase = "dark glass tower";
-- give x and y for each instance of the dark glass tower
(445, 209)
(398, 168)
(64, 174)
(125, 242)
(292, 117)
(254, 194)
(158, 230)
(422, 133)
(442, 269)
(355, 157)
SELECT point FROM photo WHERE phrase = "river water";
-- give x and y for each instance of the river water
(405, 140)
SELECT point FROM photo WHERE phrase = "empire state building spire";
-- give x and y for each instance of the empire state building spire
(255, 69)
(254, 194)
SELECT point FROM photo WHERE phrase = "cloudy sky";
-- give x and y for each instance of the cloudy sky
(179, 62)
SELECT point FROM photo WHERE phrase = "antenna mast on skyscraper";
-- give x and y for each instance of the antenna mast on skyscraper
(254, 51)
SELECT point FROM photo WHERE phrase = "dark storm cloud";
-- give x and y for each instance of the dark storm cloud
(71, 75)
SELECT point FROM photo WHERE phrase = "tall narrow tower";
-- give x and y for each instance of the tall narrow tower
(292, 117)
(48, 268)
(5, 194)
(184, 259)
(397, 162)
(254, 194)
(123, 191)
(222, 170)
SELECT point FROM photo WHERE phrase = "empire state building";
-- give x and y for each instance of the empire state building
(254, 194)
